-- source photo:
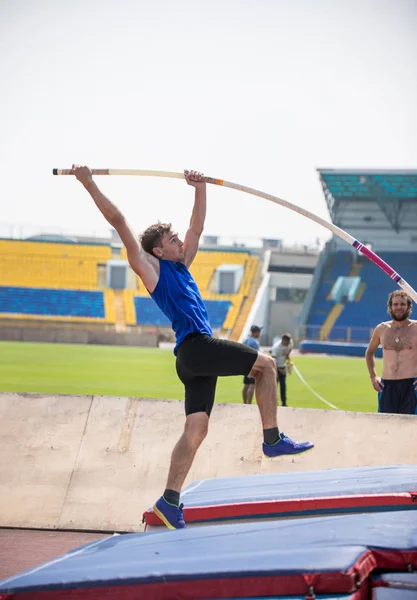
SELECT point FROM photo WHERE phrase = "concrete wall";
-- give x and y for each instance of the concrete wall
(96, 463)
(77, 336)
(296, 259)
(291, 280)
(283, 316)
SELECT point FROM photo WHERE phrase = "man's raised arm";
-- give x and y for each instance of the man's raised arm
(144, 265)
(198, 216)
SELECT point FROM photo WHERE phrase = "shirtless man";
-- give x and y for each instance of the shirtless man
(397, 389)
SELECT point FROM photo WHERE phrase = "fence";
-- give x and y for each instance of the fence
(337, 334)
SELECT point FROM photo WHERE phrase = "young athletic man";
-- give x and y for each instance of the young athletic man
(162, 260)
(249, 382)
(397, 390)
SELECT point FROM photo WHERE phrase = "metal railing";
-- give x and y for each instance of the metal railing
(354, 335)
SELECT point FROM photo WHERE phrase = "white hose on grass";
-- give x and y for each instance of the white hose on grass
(311, 389)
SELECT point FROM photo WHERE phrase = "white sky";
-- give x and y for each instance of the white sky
(257, 92)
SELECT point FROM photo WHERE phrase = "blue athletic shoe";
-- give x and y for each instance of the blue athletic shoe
(285, 446)
(170, 514)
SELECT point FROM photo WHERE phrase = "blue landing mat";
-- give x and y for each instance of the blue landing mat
(310, 493)
(401, 579)
(307, 484)
(332, 554)
(393, 594)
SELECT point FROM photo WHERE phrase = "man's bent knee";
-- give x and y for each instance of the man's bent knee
(264, 364)
(196, 426)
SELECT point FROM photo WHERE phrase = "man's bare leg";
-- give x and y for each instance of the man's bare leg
(275, 444)
(168, 507)
(265, 373)
(195, 430)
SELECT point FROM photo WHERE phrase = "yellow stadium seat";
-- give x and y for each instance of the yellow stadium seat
(51, 265)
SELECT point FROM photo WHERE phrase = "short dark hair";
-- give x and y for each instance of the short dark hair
(286, 336)
(398, 293)
(152, 236)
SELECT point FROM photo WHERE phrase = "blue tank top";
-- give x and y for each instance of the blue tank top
(178, 296)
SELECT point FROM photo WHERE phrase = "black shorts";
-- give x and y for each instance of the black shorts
(398, 396)
(249, 380)
(201, 359)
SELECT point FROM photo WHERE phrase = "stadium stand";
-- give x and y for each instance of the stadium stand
(60, 303)
(148, 313)
(378, 208)
(339, 264)
(56, 281)
(51, 265)
(370, 309)
(50, 280)
(56, 304)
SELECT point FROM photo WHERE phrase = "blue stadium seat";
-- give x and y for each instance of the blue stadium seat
(51, 302)
(391, 185)
(148, 313)
(371, 309)
(338, 264)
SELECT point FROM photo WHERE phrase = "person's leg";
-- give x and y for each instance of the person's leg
(245, 393)
(283, 388)
(248, 389)
(264, 371)
(168, 507)
(251, 392)
(205, 355)
(195, 430)
(275, 443)
(199, 400)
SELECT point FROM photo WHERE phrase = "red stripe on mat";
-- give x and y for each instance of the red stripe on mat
(271, 507)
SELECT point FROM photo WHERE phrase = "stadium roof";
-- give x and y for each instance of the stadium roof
(390, 189)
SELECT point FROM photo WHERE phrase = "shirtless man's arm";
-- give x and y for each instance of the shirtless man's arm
(370, 358)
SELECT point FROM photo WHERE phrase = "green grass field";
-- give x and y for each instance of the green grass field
(150, 373)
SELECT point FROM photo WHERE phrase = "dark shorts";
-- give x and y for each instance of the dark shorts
(201, 359)
(249, 380)
(398, 396)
